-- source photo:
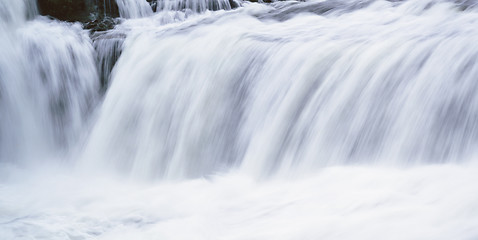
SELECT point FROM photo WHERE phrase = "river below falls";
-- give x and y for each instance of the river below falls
(433, 202)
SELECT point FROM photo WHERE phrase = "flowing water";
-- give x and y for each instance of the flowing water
(134, 8)
(335, 119)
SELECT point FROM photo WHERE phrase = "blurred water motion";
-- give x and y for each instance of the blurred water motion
(236, 120)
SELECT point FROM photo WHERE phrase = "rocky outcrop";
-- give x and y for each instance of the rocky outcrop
(78, 10)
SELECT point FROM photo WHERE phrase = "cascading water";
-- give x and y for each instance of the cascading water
(108, 47)
(352, 100)
(134, 8)
(16, 12)
(336, 119)
(196, 5)
(141, 8)
(48, 84)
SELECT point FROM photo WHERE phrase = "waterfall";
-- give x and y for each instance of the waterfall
(189, 101)
(48, 84)
(390, 84)
(319, 119)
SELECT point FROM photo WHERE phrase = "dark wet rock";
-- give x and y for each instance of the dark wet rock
(154, 4)
(66, 10)
(235, 4)
(78, 10)
(101, 24)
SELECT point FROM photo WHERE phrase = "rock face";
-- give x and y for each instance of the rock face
(67, 10)
(78, 10)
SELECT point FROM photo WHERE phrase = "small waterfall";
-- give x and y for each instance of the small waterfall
(196, 5)
(63, 85)
(134, 8)
(17, 11)
(48, 83)
(108, 47)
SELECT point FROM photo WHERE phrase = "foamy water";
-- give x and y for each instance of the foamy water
(291, 120)
(435, 202)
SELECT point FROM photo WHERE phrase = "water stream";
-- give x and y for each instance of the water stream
(336, 119)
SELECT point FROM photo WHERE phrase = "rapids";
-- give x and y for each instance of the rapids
(222, 119)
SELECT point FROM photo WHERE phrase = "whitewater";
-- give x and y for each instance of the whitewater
(222, 119)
